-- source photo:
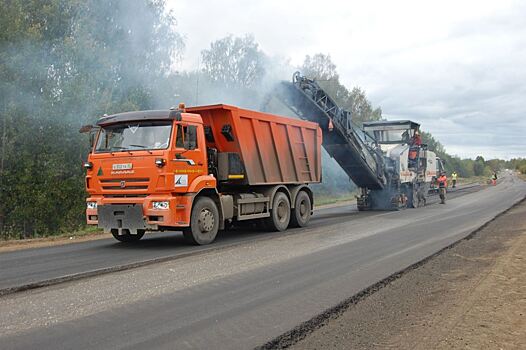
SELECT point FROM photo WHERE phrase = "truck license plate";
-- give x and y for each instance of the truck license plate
(125, 166)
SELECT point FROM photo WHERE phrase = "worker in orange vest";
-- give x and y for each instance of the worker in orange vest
(417, 139)
(442, 185)
(415, 143)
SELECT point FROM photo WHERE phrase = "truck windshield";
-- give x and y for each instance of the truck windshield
(134, 136)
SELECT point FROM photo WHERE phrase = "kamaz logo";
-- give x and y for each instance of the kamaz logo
(123, 184)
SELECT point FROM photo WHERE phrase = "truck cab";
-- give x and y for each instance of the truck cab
(140, 169)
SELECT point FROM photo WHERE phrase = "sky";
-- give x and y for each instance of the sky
(456, 67)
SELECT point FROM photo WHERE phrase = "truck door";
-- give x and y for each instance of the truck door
(190, 154)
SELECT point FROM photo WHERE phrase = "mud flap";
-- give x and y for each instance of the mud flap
(122, 216)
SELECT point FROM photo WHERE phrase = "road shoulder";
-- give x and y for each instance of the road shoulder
(470, 296)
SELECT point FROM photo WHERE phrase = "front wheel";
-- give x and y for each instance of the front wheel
(302, 210)
(204, 222)
(126, 236)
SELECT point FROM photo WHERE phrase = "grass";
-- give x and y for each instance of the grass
(324, 199)
(83, 232)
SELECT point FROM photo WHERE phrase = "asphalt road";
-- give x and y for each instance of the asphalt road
(238, 297)
(32, 266)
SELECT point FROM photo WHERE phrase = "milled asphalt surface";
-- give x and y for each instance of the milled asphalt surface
(244, 296)
(428, 307)
(23, 267)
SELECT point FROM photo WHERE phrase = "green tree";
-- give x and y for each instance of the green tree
(321, 68)
(479, 166)
(62, 64)
(234, 62)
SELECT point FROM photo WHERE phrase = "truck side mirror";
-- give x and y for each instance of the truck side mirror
(86, 128)
(91, 131)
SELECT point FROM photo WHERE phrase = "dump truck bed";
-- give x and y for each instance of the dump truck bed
(273, 149)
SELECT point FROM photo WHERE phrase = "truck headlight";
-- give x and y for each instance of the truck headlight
(161, 205)
(91, 205)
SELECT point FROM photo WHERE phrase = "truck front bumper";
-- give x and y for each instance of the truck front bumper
(122, 216)
(138, 213)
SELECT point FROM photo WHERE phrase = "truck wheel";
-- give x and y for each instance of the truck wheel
(302, 210)
(280, 214)
(204, 222)
(126, 235)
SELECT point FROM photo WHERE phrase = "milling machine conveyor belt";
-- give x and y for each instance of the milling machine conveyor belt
(341, 139)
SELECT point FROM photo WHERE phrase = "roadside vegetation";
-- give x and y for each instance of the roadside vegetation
(65, 63)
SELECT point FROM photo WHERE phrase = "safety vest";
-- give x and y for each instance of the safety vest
(442, 181)
(454, 176)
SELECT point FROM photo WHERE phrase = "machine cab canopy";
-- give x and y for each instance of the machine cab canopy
(392, 131)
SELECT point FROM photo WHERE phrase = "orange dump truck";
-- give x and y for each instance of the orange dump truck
(199, 169)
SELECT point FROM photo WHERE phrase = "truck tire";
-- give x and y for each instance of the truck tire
(127, 236)
(204, 222)
(302, 210)
(280, 214)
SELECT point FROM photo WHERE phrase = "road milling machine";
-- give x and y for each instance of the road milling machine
(382, 158)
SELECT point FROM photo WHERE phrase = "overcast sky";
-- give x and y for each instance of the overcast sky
(456, 67)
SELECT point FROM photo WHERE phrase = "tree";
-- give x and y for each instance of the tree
(62, 64)
(234, 62)
(321, 68)
(361, 107)
(479, 166)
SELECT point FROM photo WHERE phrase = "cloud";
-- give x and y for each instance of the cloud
(455, 67)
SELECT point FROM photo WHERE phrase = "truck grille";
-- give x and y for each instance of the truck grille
(125, 195)
(125, 184)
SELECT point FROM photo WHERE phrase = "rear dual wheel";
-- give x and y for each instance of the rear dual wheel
(302, 210)
(279, 218)
(282, 215)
